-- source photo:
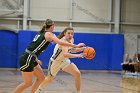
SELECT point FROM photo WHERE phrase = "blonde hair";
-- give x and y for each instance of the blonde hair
(48, 23)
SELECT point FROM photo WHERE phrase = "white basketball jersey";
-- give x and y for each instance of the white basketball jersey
(57, 53)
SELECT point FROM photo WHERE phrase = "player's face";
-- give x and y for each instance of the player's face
(69, 34)
(52, 27)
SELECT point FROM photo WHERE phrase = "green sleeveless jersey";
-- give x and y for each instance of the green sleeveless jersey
(39, 44)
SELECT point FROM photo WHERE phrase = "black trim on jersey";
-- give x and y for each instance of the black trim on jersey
(57, 53)
(49, 67)
(69, 50)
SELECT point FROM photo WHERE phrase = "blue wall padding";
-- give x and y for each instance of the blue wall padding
(109, 50)
(8, 49)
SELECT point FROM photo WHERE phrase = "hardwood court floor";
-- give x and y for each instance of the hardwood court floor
(92, 82)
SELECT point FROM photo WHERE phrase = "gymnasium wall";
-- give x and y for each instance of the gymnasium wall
(109, 50)
(8, 49)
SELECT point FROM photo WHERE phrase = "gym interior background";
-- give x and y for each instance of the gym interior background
(112, 27)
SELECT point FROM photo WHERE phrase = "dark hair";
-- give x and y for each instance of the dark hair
(63, 32)
(48, 23)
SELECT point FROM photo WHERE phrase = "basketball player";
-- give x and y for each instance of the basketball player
(60, 61)
(28, 61)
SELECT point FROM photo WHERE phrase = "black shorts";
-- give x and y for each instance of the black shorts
(27, 62)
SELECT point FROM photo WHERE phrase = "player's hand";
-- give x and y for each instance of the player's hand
(83, 48)
(81, 45)
(39, 62)
(81, 55)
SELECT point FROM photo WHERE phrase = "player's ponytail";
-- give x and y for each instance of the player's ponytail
(48, 23)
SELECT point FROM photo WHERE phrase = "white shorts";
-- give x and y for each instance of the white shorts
(56, 66)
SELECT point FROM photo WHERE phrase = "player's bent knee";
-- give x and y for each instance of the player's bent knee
(28, 84)
(41, 79)
(77, 74)
(49, 79)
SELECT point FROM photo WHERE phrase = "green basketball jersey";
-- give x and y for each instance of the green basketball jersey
(39, 44)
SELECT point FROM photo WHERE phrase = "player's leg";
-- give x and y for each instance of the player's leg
(47, 81)
(74, 71)
(38, 72)
(26, 71)
(27, 76)
(53, 69)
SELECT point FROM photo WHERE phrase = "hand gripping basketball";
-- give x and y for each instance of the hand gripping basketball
(90, 52)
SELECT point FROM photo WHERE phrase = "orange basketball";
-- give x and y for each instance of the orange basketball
(90, 52)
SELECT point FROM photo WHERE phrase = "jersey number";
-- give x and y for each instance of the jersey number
(36, 37)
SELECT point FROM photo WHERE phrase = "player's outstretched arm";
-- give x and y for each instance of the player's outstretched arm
(49, 36)
(75, 50)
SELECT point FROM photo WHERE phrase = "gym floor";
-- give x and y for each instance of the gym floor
(92, 82)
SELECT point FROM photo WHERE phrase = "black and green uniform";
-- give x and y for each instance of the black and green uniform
(28, 58)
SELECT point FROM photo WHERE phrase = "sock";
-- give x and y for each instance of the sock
(38, 90)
